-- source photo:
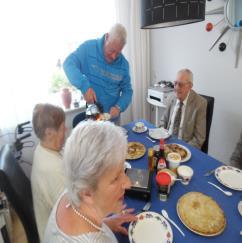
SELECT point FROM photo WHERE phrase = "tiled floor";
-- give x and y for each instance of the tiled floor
(18, 234)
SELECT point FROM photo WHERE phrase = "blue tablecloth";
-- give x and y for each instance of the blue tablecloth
(201, 163)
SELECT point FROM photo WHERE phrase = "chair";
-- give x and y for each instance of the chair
(209, 117)
(17, 188)
(78, 118)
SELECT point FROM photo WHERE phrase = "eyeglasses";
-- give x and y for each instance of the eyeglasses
(180, 84)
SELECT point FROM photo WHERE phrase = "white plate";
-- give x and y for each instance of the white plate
(189, 154)
(230, 177)
(150, 227)
(240, 207)
(139, 131)
(158, 133)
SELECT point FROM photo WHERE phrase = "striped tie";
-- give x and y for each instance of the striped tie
(177, 120)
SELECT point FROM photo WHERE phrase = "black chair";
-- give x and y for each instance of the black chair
(209, 117)
(78, 118)
(17, 188)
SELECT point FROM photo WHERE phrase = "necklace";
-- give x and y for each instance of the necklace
(86, 219)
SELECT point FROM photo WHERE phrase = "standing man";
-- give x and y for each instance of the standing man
(101, 72)
(185, 114)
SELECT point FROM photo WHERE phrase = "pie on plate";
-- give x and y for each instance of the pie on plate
(177, 148)
(201, 214)
(135, 150)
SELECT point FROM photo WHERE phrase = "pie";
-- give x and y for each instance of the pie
(201, 214)
(135, 150)
(169, 148)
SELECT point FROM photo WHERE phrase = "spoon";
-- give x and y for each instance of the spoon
(227, 193)
(153, 141)
(165, 214)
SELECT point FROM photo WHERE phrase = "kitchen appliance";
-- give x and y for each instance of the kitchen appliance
(93, 111)
(140, 183)
(158, 95)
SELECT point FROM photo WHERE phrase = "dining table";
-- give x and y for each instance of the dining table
(200, 163)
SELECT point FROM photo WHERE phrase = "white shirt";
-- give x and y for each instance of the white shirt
(54, 234)
(47, 183)
(182, 116)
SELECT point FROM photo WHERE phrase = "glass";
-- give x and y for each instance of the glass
(180, 84)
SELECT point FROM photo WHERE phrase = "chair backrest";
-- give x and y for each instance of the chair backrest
(209, 117)
(78, 118)
(15, 184)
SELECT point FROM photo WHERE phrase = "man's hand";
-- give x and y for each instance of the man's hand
(115, 221)
(90, 96)
(114, 112)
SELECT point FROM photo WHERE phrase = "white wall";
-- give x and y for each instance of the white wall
(214, 75)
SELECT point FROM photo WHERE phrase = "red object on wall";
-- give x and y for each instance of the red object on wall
(209, 26)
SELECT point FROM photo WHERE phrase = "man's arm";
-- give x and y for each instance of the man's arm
(167, 113)
(73, 70)
(199, 133)
(126, 92)
(236, 158)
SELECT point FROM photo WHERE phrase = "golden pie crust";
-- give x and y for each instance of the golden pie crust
(135, 150)
(169, 148)
(201, 214)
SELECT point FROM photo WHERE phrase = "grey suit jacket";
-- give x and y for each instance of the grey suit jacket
(194, 123)
(236, 158)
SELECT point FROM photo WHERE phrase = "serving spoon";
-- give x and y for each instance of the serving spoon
(227, 193)
(166, 216)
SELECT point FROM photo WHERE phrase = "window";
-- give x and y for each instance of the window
(36, 34)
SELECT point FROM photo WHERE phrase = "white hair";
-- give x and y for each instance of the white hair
(92, 148)
(189, 74)
(118, 32)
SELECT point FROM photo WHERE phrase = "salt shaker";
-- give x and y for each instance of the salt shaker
(163, 181)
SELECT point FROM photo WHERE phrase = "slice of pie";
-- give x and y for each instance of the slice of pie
(201, 214)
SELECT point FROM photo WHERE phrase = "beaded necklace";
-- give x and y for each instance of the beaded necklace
(86, 219)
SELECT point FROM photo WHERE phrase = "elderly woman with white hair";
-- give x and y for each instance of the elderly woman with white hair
(94, 165)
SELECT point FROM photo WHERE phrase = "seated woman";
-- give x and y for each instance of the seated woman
(47, 176)
(94, 165)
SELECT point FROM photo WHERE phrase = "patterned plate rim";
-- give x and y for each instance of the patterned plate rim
(150, 214)
(227, 167)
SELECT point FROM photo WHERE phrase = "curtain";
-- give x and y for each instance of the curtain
(137, 51)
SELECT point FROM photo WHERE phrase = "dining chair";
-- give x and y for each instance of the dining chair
(209, 117)
(78, 118)
(16, 186)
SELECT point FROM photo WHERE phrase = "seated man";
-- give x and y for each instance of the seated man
(236, 158)
(185, 114)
